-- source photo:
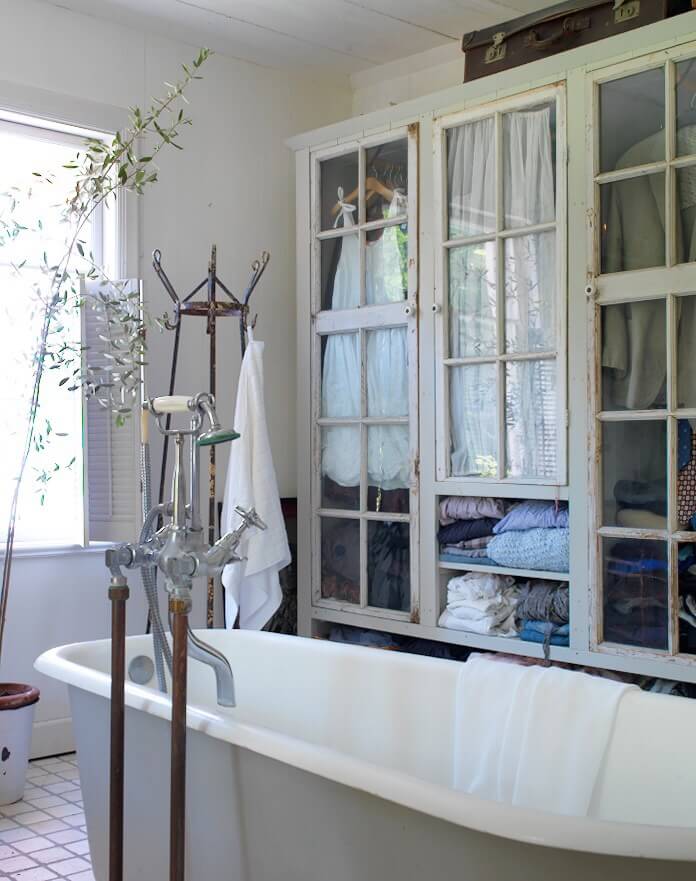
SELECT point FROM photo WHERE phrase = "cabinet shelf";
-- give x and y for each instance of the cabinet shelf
(505, 570)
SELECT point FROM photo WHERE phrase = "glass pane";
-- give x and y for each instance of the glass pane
(634, 474)
(471, 178)
(388, 468)
(529, 159)
(686, 219)
(686, 474)
(387, 372)
(338, 173)
(686, 107)
(634, 356)
(472, 300)
(474, 420)
(686, 346)
(530, 293)
(340, 273)
(687, 598)
(388, 566)
(340, 467)
(386, 180)
(530, 419)
(632, 223)
(632, 120)
(340, 386)
(635, 592)
(340, 559)
(386, 265)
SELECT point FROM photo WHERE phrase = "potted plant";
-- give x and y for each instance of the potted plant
(101, 171)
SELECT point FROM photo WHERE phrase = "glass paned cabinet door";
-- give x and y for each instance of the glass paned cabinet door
(365, 440)
(501, 292)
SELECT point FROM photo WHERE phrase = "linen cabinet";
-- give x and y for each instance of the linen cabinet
(496, 292)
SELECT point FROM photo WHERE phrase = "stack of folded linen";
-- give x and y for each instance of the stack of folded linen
(466, 527)
(532, 535)
(480, 602)
(543, 613)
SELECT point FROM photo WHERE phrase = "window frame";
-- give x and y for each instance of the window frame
(362, 320)
(442, 246)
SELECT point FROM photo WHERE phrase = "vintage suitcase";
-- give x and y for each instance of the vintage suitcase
(564, 26)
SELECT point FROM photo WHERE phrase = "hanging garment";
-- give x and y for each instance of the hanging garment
(388, 460)
(634, 334)
(686, 487)
(530, 295)
(252, 586)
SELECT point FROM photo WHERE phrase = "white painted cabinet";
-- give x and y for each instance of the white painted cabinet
(497, 299)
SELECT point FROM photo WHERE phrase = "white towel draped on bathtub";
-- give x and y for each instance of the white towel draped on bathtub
(532, 736)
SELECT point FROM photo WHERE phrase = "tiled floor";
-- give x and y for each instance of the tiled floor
(44, 837)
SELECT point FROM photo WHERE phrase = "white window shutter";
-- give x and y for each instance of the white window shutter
(112, 477)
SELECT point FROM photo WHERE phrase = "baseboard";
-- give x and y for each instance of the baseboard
(51, 738)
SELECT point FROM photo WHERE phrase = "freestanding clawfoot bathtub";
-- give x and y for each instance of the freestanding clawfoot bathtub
(336, 766)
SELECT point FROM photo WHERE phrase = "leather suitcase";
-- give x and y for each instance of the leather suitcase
(558, 28)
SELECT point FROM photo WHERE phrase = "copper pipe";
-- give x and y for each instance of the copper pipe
(118, 594)
(179, 610)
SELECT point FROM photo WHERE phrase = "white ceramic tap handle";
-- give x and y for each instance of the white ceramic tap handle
(171, 404)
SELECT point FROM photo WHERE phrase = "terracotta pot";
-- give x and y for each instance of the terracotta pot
(17, 704)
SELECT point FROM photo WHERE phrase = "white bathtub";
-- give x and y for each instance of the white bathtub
(336, 766)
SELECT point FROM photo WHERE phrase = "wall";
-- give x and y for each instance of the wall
(233, 185)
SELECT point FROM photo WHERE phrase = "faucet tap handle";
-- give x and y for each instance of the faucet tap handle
(250, 517)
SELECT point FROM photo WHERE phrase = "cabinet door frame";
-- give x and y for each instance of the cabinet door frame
(667, 283)
(442, 245)
(361, 320)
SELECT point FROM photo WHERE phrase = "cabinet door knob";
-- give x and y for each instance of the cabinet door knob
(436, 308)
(410, 309)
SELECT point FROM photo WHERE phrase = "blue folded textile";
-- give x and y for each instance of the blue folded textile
(529, 634)
(544, 549)
(534, 514)
(545, 627)
(464, 530)
(458, 558)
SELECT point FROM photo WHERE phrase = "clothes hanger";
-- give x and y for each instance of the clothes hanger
(373, 187)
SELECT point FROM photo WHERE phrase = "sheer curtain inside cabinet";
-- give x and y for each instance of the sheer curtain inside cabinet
(364, 365)
(501, 292)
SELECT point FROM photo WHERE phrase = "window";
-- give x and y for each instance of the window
(501, 288)
(644, 169)
(366, 382)
(60, 514)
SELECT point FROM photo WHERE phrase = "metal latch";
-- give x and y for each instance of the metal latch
(627, 11)
(496, 52)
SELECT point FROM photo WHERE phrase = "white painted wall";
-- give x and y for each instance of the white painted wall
(232, 185)
(411, 77)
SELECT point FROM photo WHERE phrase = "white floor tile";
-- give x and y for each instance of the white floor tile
(32, 817)
(81, 876)
(81, 848)
(17, 834)
(71, 866)
(7, 851)
(40, 873)
(46, 826)
(29, 845)
(67, 836)
(16, 864)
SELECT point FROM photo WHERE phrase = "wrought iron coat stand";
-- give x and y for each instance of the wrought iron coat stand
(210, 309)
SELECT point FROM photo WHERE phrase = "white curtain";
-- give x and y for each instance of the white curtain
(529, 295)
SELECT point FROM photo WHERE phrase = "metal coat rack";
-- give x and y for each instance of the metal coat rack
(211, 309)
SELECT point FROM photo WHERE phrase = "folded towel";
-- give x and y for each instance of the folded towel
(465, 530)
(532, 736)
(471, 508)
(543, 549)
(486, 626)
(534, 514)
(483, 602)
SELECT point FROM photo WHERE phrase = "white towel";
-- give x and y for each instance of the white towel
(532, 736)
(252, 587)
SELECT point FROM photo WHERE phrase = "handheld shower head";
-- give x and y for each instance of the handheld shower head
(216, 436)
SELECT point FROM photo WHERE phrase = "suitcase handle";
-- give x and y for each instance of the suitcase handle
(569, 26)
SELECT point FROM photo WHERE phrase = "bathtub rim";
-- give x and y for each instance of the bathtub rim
(525, 825)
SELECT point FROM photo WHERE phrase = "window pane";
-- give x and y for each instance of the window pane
(388, 566)
(632, 120)
(387, 372)
(686, 474)
(340, 559)
(388, 468)
(687, 598)
(530, 293)
(686, 107)
(632, 223)
(472, 300)
(635, 592)
(386, 180)
(634, 356)
(530, 419)
(686, 346)
(686, 218)
(471, 178)
(474, 420)
(634, 472)
(338, 173)
(386, 264)
(529, 161)
(340, 467)
(340, 387)
(340, 273)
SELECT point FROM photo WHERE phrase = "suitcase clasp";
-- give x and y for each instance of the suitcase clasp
(496, 52)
